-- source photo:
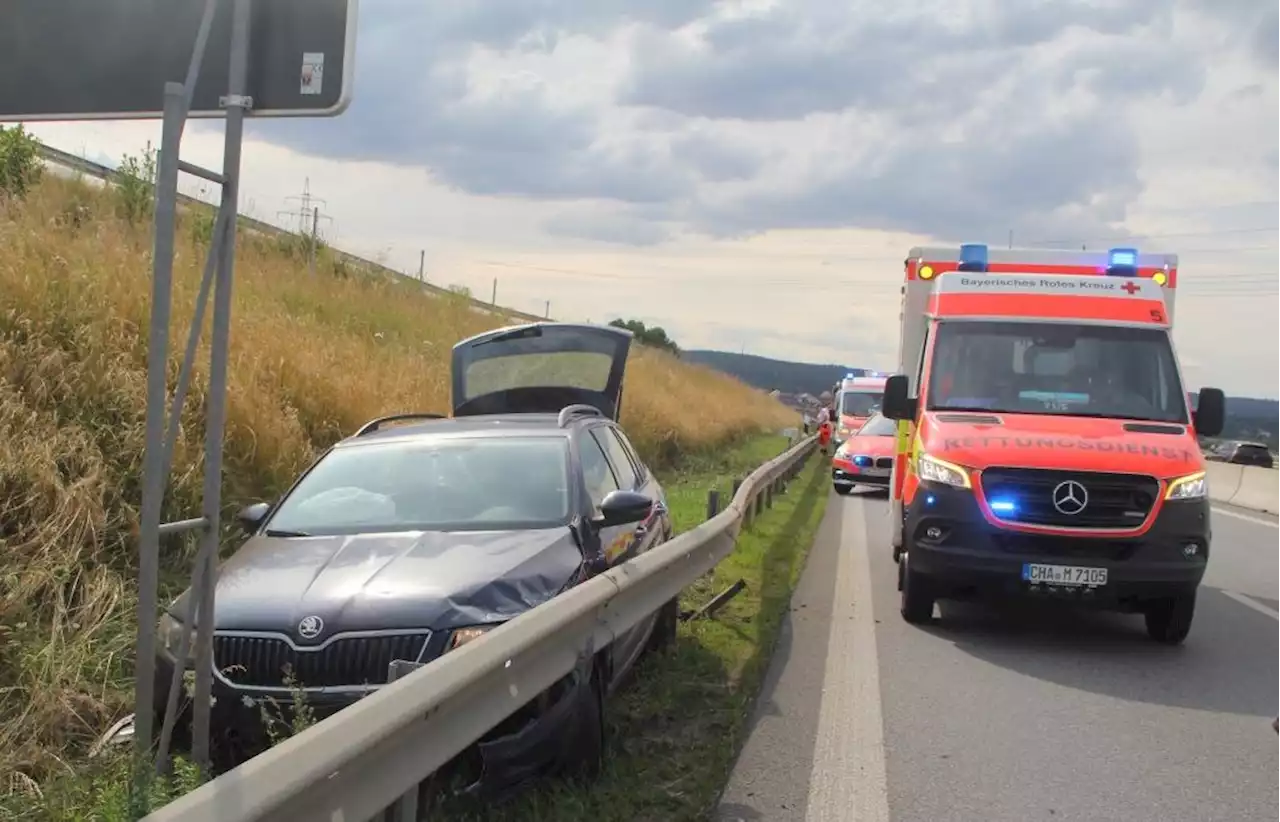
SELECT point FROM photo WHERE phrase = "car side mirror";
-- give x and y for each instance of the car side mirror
(1211, 412)
(624, 507)
(251, 516)
(897, 403)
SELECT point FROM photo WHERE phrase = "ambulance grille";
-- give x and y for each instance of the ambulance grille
(1114, 500)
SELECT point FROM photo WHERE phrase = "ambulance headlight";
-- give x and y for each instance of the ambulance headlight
(932, 469)
(1160, 278)
(1192, 486)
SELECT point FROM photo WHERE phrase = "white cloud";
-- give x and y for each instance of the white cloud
(752, 174)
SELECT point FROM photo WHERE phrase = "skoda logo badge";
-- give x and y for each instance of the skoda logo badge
(1070, 498)
(310, 627)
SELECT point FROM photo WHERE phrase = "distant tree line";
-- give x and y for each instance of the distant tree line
(653, 336)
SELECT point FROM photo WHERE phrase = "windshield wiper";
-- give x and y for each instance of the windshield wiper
(272, 532)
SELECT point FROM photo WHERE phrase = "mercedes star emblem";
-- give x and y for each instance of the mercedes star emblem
(310, 627)
(1070, 498)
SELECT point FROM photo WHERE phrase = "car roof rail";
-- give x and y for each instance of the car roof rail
(572, 412)
(373, 425)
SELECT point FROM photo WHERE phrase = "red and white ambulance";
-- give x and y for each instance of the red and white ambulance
(857, 398)
(1045, 443)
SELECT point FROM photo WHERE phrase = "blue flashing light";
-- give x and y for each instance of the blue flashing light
(930, 500)
(1004, 506)
(1122, 262)
(973, 257)
(862, 461)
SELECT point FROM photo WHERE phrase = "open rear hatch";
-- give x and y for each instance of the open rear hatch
(540, 368)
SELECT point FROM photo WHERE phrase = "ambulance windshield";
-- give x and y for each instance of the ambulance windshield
(1054, 368)
(858, 404)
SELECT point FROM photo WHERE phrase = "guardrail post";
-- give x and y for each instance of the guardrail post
(768, 495)
(713, 502)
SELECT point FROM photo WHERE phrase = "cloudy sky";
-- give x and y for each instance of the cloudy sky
(750, 174)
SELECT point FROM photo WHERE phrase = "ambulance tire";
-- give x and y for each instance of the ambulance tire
(916, 599)
(1169, 620)
(843, 490)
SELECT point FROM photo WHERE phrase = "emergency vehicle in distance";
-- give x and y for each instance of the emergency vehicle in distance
(856, 399)
(1045, 442)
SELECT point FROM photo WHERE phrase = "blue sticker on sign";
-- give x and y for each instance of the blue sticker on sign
(1052, 396)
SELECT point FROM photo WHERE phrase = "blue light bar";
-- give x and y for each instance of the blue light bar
(1003, 506)
(1122, 262)
(973, 257)
(862, 461)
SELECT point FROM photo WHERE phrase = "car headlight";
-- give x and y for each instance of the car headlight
(462, 636)
(169, 633)
(1192, 486)
(843, 431)
(933, 469)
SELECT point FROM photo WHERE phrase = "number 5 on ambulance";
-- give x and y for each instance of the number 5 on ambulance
(1046, 446)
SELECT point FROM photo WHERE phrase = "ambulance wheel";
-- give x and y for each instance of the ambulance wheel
(1169, 620)
(916, 600)
(843, 490)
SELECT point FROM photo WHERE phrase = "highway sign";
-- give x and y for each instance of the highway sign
(110, 59)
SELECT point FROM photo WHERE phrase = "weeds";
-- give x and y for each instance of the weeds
(135, 186)
(311, 359)
(20, 166)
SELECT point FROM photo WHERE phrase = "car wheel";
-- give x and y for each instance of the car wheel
(916, 600)
(665, 625)
(589, 742)
(843, 490)
(1169, 620)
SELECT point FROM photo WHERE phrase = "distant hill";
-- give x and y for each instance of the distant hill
(762, 372)
(1248, 418)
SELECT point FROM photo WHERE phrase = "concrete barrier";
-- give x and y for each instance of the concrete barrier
(1245, 486)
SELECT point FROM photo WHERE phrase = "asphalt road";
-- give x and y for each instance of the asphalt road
(1013, 714)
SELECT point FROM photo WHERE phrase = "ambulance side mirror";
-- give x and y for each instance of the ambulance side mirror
(1211, 412)
(898, 404)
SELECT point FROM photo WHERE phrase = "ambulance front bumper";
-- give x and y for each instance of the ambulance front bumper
(962, 555)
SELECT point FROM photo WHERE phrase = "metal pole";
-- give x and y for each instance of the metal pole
(422, 264)
(315, 231)
(494, 299)
(154, 470)
(215, 426)
(547, 314)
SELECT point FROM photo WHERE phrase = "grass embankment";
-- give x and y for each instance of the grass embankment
(312, 358)
(676, 727)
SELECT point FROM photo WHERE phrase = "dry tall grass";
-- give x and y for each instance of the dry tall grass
(312, 358)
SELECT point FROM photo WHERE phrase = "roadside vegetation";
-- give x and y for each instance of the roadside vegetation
(313, 357)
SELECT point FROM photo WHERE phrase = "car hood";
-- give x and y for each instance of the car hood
(871, 446)
(851, 422)
(431, 579)
(1069, 443)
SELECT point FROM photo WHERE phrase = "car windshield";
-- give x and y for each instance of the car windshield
(878, 426)
(858, 404)
(1112, 372)
(481, 483)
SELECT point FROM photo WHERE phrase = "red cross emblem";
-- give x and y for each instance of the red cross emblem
(1131, 287)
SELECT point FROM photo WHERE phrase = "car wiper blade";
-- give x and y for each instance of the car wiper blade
(273, 532)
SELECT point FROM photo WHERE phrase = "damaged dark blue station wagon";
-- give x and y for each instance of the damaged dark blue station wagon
(419, 534)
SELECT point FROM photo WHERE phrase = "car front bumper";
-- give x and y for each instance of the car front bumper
(961, 554)
(848, 474)
(536, 740)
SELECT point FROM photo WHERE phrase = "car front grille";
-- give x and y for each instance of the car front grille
(269, 660)
(884, 462)
(1114, 500)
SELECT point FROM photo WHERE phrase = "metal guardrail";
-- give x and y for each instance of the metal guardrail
(369, 758)
(105, 173)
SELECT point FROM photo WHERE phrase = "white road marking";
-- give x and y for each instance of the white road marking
(1250, 602)
(1257, 520)
(847, 781)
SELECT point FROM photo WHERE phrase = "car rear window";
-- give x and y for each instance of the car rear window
(486, 483)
